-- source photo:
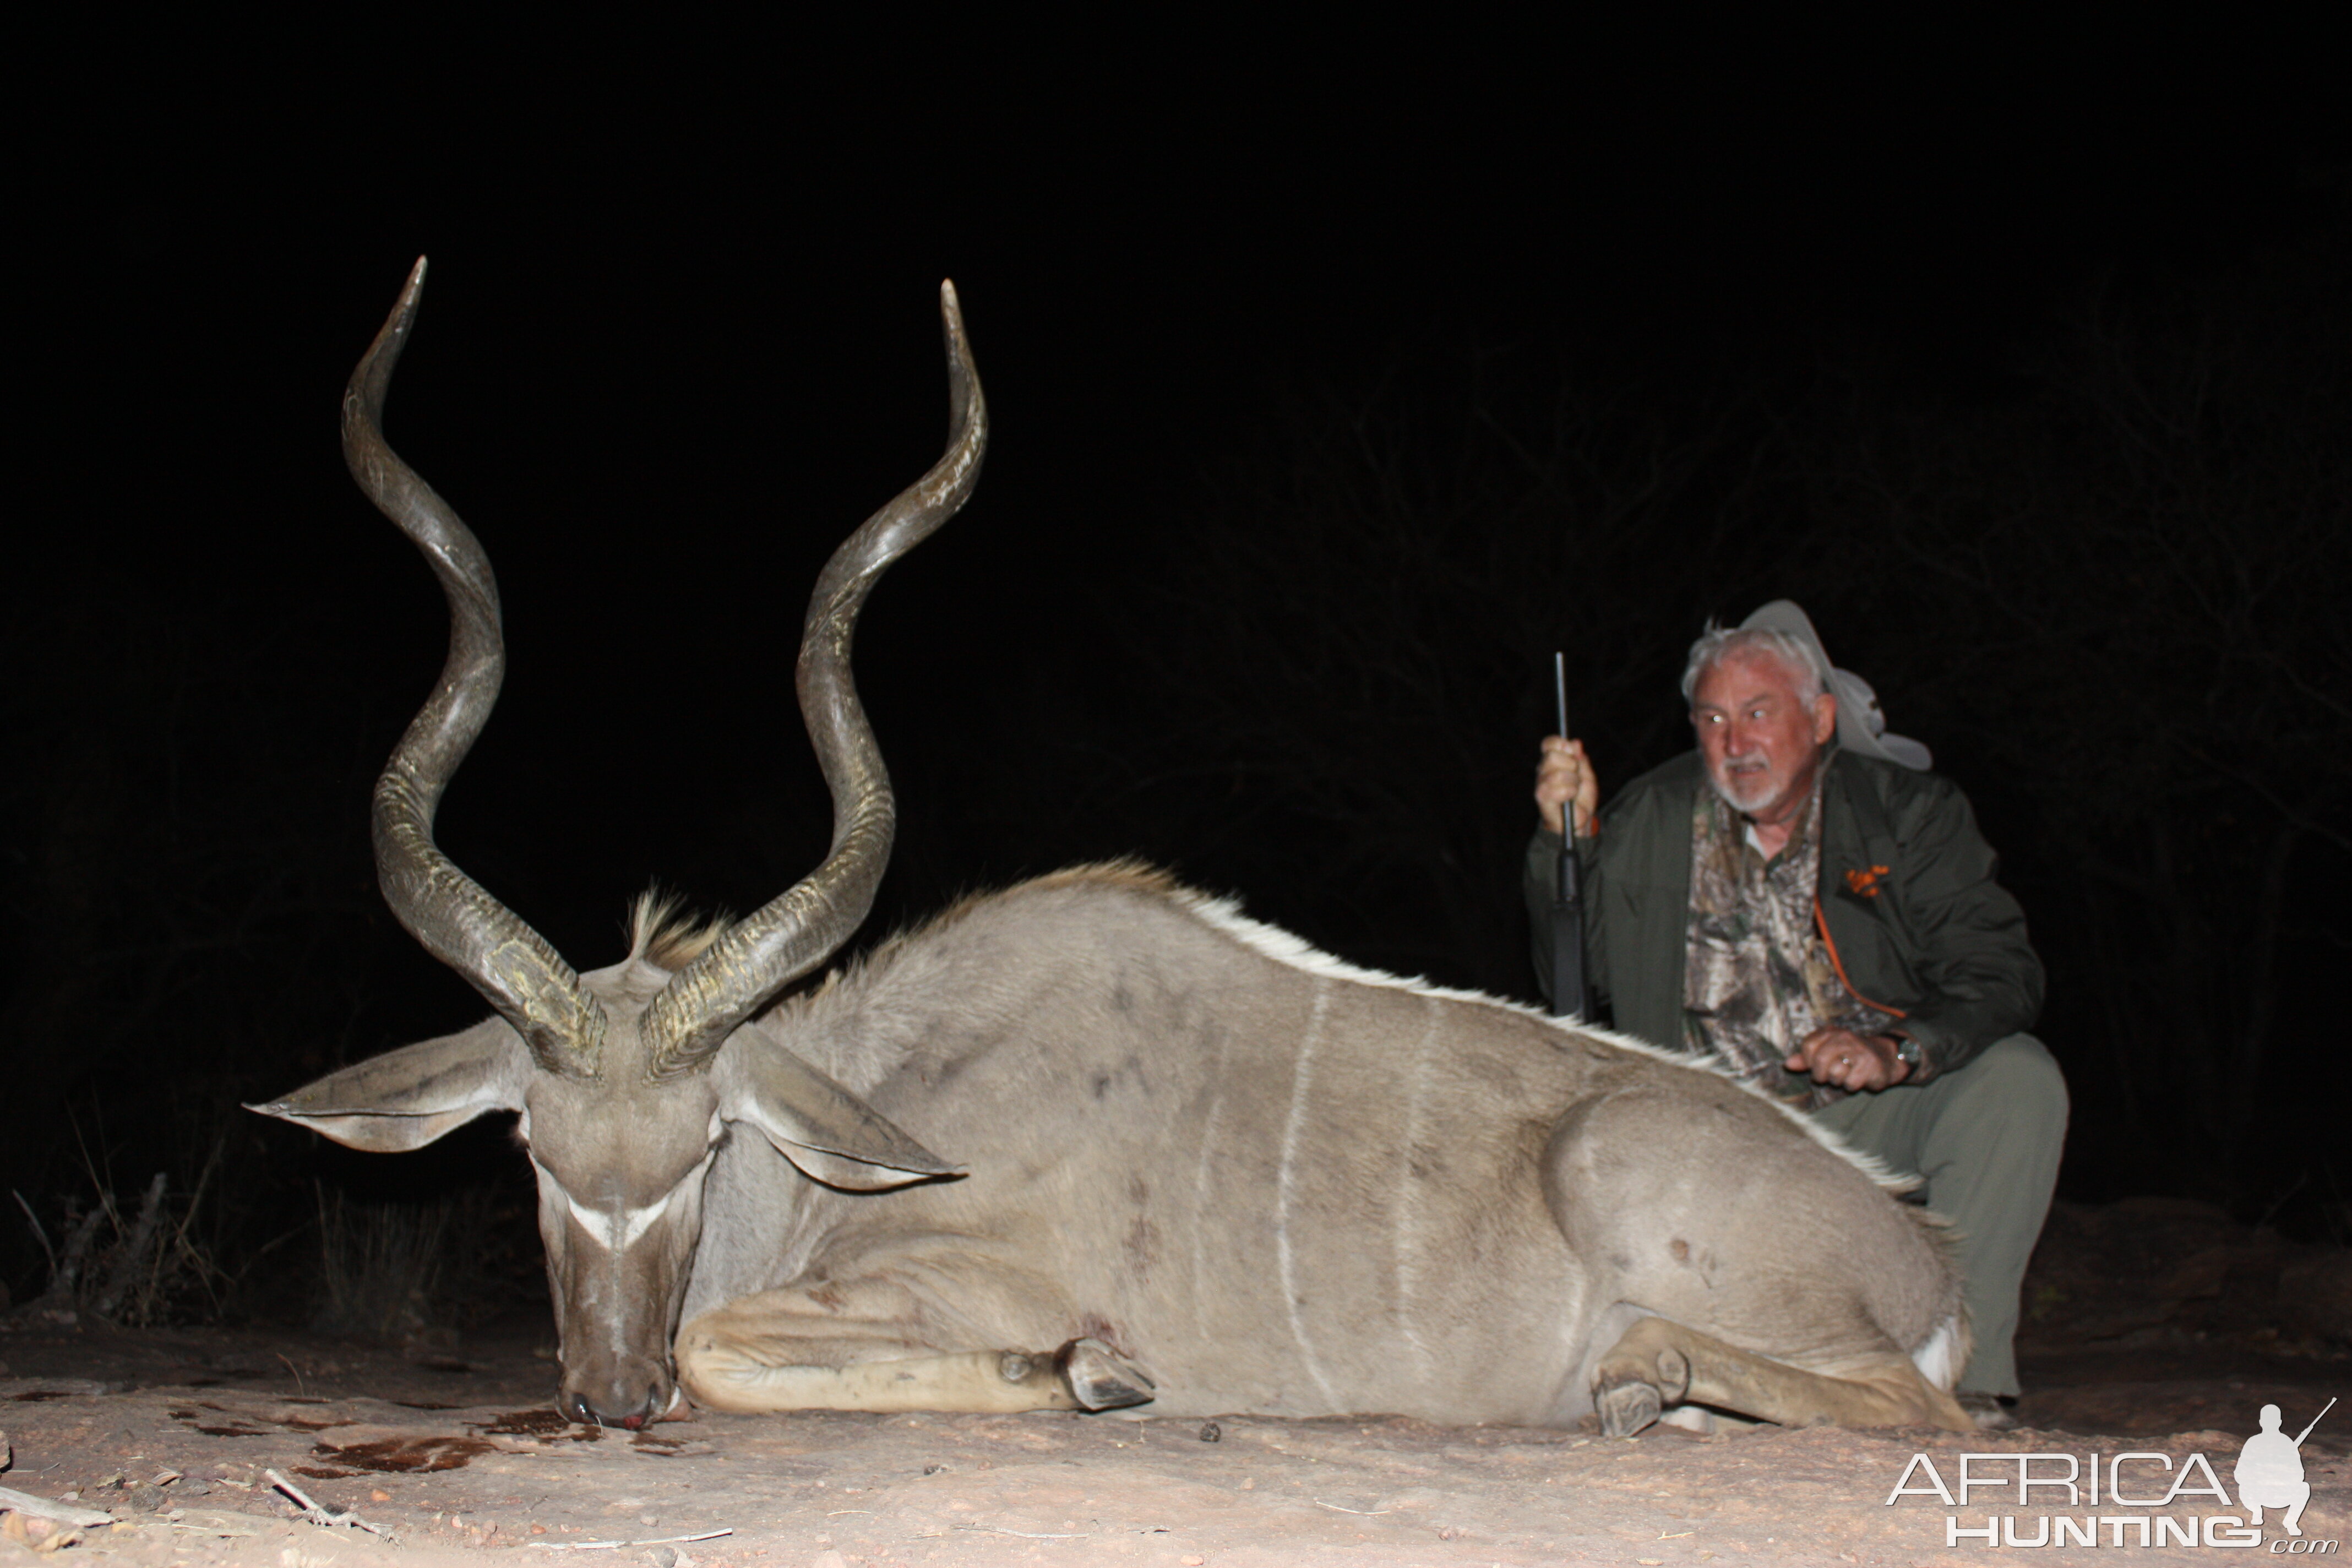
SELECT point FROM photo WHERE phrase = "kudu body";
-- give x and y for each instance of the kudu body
(1199, 1163)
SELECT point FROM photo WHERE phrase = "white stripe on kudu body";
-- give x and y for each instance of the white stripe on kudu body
(1203, 1219)
(1405, 1242)
(1285, 1185)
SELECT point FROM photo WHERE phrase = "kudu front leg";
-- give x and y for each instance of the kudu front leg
(747, 1357)
(1084, 1375)
(1658, 1363)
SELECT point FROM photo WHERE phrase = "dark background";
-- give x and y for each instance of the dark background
(1335, 385)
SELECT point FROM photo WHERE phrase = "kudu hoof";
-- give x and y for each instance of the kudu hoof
(1627, 1408)
(1099, 1378)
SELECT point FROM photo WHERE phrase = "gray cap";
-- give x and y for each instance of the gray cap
(1860, 727)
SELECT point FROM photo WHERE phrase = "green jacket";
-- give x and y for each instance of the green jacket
(1907, 893)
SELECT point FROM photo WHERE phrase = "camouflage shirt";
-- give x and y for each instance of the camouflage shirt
(1758, 979)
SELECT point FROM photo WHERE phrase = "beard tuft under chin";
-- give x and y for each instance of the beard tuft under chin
(1759, 791)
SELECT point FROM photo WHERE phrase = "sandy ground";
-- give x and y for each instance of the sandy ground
(173, 1435)
(2154, 1328)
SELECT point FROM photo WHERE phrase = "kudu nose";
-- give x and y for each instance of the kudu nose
(615, 1408)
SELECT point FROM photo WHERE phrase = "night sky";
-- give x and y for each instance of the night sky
(682, 335)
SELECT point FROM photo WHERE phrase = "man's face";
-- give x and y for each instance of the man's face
(1761, 739)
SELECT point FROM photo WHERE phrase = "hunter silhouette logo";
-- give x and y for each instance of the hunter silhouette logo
(2270, 1471)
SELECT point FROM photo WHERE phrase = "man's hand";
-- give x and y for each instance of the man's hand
(1565, 779)
(1845, 1059)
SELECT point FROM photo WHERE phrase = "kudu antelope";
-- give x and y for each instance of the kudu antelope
(1200, 1162)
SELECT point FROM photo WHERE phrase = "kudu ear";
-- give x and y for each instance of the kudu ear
(822, 1128)
(405, 1099)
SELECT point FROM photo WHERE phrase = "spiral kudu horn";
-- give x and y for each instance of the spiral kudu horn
(687, 1023)
(459, 923)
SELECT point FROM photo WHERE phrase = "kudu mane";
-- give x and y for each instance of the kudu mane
(664, 934)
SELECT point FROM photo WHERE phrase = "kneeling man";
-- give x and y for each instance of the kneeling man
(1801, 898)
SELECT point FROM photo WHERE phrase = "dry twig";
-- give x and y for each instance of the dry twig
(318, 1513)
(611, 1545)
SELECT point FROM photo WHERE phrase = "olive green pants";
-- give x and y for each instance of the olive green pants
(1984, 1140)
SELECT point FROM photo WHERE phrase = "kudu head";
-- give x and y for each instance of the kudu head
(628, 1078)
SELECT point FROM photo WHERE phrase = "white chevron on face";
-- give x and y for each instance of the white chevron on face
(622, 1227)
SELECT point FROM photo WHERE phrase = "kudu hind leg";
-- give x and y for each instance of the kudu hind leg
(1656, 1364)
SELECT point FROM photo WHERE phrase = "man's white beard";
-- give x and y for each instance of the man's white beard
(1747, 793)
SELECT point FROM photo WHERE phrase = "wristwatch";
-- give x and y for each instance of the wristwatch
(1907, 1052)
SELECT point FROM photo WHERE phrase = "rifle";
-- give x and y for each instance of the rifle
(2315, 1421)
(1567, 999)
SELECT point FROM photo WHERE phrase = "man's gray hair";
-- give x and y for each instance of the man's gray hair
(1719, 642)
